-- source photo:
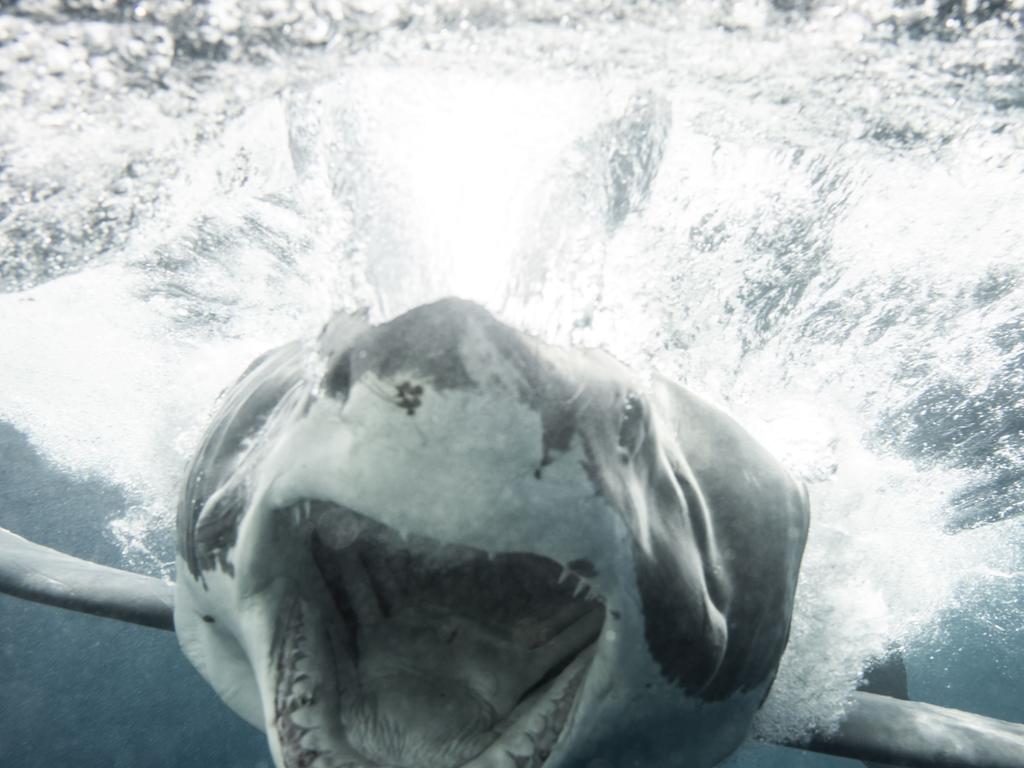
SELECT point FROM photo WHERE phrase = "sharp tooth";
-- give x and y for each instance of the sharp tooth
(304, 717)
(299, 700)
(581, 588)
(311, 739)
(304, 666)
(303, 688)
(527, 760)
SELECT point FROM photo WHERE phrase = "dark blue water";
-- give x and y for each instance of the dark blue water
(84, 691)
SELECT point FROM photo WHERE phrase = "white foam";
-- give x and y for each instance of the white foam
(385, 184)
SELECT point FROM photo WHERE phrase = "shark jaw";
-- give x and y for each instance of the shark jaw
(405, 652)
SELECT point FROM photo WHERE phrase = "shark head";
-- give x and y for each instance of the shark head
(438, 542)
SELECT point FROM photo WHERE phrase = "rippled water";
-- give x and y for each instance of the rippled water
(807, 211)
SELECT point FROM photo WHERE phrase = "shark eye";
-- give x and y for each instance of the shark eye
(632, 429)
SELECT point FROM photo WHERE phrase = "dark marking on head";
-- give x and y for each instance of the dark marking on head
(409, 397)
(446, 346)
(424, 342)
(560, 399)
(583, 567)
(208, 618)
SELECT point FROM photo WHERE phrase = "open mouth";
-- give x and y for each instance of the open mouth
(410, 653)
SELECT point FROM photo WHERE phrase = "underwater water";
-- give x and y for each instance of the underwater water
(809, 211)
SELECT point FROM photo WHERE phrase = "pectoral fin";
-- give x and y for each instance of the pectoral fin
(890, 731)
(34, 572)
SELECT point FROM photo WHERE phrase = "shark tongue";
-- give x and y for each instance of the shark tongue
(414, 720)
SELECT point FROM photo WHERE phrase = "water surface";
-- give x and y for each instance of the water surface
(807, 211)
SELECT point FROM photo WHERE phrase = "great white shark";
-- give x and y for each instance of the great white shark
(439, 543)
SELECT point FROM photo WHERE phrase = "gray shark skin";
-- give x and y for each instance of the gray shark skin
(591, 556)
(440, 543)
